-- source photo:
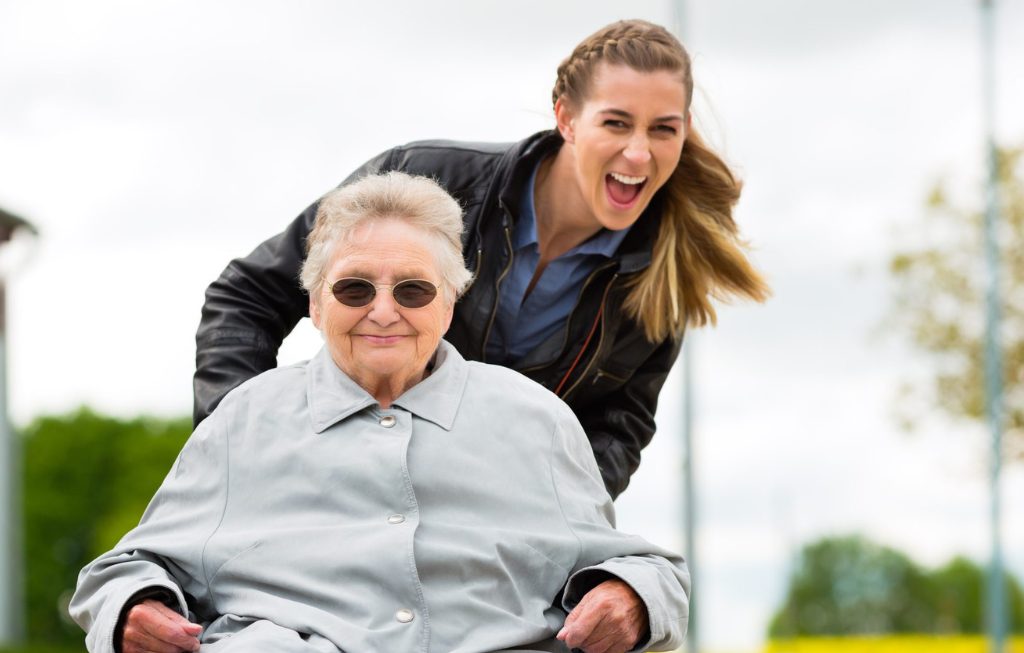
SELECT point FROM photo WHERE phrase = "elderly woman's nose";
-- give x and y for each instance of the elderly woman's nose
(383, 309)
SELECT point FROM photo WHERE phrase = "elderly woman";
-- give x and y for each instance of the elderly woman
(387, 495)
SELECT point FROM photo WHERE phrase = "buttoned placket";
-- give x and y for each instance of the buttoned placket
(398, 423)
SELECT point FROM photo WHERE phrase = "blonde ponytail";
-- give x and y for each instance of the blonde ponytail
(698, 255)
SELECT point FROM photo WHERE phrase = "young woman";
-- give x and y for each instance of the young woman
(592, 247)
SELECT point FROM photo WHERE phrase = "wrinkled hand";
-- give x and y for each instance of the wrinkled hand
(152, 627)
(611, 618)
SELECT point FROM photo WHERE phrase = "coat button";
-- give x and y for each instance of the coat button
(388, 421)
(404, 616)
(396, 519)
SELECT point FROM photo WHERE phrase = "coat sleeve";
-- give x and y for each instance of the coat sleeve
(658, 576)
(162, 556)
(252, 306)
(621, 423)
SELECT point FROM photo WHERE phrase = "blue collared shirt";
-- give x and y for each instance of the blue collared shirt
(522, 324)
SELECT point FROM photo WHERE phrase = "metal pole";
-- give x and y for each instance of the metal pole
(12, 597)
(993, 362)
(12, 586)
(689, 499)
(679, 19)
(689, 503)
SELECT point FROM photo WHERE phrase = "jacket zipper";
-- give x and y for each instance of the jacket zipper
(568, 320)
(600, 339)
(497, 290)
(600, 373)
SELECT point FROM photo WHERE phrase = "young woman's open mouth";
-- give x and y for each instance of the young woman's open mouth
(623, 191)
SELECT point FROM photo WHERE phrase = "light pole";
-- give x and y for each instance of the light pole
(689, 500)
(993, 362)
(12, 583)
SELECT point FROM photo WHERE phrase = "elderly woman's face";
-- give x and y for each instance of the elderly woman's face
(383, 339)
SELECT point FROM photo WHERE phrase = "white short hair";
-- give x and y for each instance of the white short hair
(417, 201)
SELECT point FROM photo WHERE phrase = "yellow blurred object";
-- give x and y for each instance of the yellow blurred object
(891, 644)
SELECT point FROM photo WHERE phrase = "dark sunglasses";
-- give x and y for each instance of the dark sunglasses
(357, 293)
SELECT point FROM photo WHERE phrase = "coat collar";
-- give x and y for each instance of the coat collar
(333, 396)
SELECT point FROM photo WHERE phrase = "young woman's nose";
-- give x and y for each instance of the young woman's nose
(638, 150)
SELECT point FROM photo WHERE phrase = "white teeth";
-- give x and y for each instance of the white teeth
(632, 181)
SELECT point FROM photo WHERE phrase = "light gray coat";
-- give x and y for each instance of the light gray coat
(296, 519)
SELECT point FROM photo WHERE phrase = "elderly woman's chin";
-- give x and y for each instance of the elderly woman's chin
(386, 357)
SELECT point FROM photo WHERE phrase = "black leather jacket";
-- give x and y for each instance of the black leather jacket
(602, 365)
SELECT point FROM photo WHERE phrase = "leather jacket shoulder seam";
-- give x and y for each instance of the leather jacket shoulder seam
(454, 145)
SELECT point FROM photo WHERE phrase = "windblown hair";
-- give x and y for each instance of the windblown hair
(417, 201)
(698, 254)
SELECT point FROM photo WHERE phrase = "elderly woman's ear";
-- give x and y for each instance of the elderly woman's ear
(314, 308)
(450, 312)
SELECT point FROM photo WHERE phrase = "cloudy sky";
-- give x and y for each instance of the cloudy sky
(153, 142)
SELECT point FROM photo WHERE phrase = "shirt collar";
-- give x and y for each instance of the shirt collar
(525, 232)
(333, 396)
(604, 242)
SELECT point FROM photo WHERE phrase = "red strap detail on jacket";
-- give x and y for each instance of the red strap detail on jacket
(600, 312)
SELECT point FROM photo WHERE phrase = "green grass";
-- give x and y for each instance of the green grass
(44, 648)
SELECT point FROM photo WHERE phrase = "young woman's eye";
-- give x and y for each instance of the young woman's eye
(616, 124)
(667, 129)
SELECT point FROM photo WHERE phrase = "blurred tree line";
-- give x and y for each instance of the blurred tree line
(851, 586)
(939, 304)
(87, 481)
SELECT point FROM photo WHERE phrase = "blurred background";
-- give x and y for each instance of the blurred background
(840, 454)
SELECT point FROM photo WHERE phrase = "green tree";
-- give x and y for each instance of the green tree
(939, 303)
(961, 598)
(88, 479)
(850, 586)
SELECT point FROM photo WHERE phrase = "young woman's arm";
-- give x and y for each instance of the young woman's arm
(620, 424)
